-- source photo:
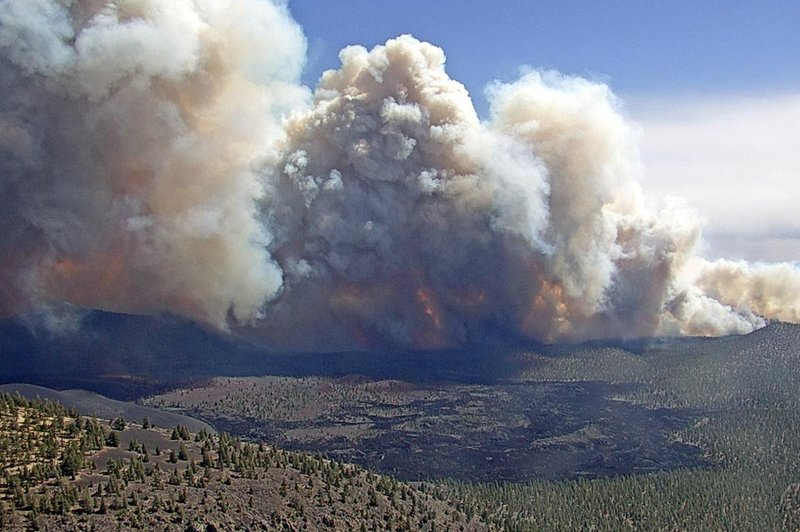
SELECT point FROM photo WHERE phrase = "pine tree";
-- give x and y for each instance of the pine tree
(118, 424)
(72, 459)
(112, 440)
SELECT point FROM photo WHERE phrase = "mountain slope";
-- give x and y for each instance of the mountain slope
(64, 472)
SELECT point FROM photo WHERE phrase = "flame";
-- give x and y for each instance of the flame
(104, 272)
(353, 302)
(108, 274)
(549, 312)
(434, 336)
(350, 296)
(550, 296)
(67, 268)
(428, 305)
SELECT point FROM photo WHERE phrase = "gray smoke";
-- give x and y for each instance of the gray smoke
(129, 132)
(162, 156)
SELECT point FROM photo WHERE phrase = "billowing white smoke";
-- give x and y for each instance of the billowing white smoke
(407, 221)
(129, 132)
(383, 214)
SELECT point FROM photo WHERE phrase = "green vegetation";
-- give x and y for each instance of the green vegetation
(480, 432)
(746, 393)
(58, 473)
(736, 399)
(273, 398)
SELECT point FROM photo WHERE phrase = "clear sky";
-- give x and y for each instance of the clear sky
(635, 46)
(714, 86)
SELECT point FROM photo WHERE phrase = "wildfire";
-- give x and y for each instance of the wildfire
(434, 336)
(428, 305)
(549, 312)
(105, 273)
(472, 297)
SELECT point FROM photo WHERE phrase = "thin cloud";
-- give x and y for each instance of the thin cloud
(735, 159)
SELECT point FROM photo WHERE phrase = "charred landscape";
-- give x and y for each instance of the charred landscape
(621, 433)
(256, 276)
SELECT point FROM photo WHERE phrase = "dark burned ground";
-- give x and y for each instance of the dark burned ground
(500, 432)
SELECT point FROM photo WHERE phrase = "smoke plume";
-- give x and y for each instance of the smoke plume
(163, 156)
(129, 135)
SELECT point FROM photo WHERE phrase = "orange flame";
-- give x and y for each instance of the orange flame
(434, 336)
(549, 312)
(99, 277)
(428, 305)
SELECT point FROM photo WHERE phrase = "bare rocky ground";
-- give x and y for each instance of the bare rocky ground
(93, 404)
(712, 421)
(62, 472)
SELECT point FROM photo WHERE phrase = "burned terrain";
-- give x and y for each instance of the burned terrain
(652, 434)
(506, 432)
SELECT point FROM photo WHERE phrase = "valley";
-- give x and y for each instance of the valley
(694, 433)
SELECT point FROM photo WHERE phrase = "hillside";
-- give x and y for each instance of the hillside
(512, 431)
(744, 391)
(126, 356)
(650, 434)
(683, 434)
(63, 471)
(92, 404)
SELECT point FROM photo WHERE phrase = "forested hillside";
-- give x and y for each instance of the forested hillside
(746, 391)
(64, 471)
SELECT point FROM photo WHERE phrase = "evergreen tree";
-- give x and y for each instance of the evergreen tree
(112, 440)
(118, 424)
(72, 459)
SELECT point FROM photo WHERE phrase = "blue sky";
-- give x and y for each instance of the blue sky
(635, 46)
(714, 87)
